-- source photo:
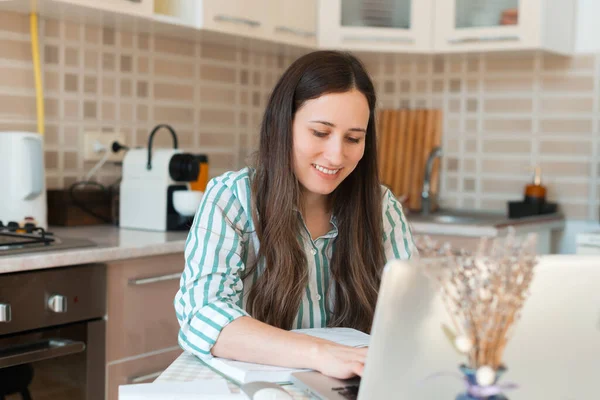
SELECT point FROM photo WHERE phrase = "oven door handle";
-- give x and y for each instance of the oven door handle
(38, 351)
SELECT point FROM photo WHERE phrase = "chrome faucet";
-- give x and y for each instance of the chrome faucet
(426, 191)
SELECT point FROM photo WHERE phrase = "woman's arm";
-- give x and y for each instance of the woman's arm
(247, 339)
(398, 242)
(208, 303)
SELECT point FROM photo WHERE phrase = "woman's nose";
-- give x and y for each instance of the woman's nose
(334, 153)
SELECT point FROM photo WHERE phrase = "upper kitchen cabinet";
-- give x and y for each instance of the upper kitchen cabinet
(476, 25)
(246, 18)
(294, 22)
(376, 25)
(133, 7)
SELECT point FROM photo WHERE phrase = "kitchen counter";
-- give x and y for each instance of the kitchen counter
(112, 244)
(115, 244)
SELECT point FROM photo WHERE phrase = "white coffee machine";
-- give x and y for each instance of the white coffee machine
(154, 191)
(22, 179)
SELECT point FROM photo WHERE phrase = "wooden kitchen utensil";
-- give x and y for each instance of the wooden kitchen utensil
(406, 138)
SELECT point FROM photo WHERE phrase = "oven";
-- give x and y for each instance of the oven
(52, 334)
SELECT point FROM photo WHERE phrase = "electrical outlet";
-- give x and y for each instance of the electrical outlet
(94, 140)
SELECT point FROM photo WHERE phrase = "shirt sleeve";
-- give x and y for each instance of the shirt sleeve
(210, 293)
(397, 237)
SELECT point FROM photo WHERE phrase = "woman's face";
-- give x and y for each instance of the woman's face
(329, 139)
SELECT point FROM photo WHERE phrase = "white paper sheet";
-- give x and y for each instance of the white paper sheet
(206, 389)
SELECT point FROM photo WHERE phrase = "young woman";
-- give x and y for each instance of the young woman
(300, 241)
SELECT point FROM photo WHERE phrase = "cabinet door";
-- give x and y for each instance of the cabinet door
(248, 18)
(376, 25)
(139, 7)
(139, 370)
(475, 25)
(141, 316)
(295, 22)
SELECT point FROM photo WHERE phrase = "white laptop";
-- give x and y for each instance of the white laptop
(553, 354)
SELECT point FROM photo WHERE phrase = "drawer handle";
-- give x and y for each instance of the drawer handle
(482, 39)
(353, 38)
(297, 32)
(237, 20)
(134, 1)
(38, 351)
(144, 378)
(154, 279)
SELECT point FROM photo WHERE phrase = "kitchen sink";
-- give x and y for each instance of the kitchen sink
(458, 217)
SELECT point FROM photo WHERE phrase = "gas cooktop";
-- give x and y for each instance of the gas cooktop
(18, 238)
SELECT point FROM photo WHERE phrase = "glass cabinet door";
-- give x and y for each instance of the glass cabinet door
(485, 13)
(376, 13)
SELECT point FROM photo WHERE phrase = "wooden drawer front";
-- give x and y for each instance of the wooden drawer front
(141, 370)
(141, 316)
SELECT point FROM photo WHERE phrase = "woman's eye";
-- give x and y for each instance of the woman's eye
(354, 140)
(319, 134)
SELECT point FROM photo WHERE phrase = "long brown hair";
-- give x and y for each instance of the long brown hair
(356, 203)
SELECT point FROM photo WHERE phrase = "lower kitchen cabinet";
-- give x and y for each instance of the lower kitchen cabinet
(141, 326)
(138, 370)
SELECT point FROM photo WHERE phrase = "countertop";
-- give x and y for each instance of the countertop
(484, 224)
(115, 244)
(112, 242)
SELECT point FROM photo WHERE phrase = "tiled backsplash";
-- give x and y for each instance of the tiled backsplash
(502, 113)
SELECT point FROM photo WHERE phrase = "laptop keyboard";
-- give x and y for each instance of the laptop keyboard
(349, 392)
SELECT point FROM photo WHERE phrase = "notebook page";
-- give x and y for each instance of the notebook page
(346, 336)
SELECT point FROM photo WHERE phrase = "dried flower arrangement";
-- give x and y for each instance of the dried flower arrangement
(484, 293)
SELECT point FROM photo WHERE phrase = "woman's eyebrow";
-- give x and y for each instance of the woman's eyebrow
(333, 126)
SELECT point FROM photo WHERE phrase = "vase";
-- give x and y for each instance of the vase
(471, 382)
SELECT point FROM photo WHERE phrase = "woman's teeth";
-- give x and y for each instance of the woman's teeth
(325, 170)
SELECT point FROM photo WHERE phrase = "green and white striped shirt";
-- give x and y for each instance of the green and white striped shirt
(223, 241)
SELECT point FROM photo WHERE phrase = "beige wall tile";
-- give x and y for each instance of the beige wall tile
(553, 63)
(507, 146)
(517, 167)
(17, 78)
(568, 83)
(212, 95)
(51, 28)
(15, 50)
(508, 125)
(170, 91)
(508, 105)
(51, 80)
(221, 53)
(176, 69)
(92, 34)
(221, 117)
(71, 57)
(167, 115)
(515, 187)
(217, 74)
(108, 111)
(566, 125)
(51, 160)
(518, 85)
(71, 160)
(217, 139)
(14, 22)
(91, 60)
(221, 160)
(173, 46)
(565, 168)
(562, 190)
(108, 86)
(18, 106)
(567, 105)
(565, 147)
(493, 204)
(72, 30)
(509, 64)
(71, 108)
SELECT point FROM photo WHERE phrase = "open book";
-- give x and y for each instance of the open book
(242, 372)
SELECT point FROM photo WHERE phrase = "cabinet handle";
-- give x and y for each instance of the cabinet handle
(237, 20)
(378, 39)
(297, 32)
(481, 39)
(143, 378)
(154, 279)
(5, 314)
(134, 1)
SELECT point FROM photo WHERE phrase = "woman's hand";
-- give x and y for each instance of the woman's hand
(338, 361)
